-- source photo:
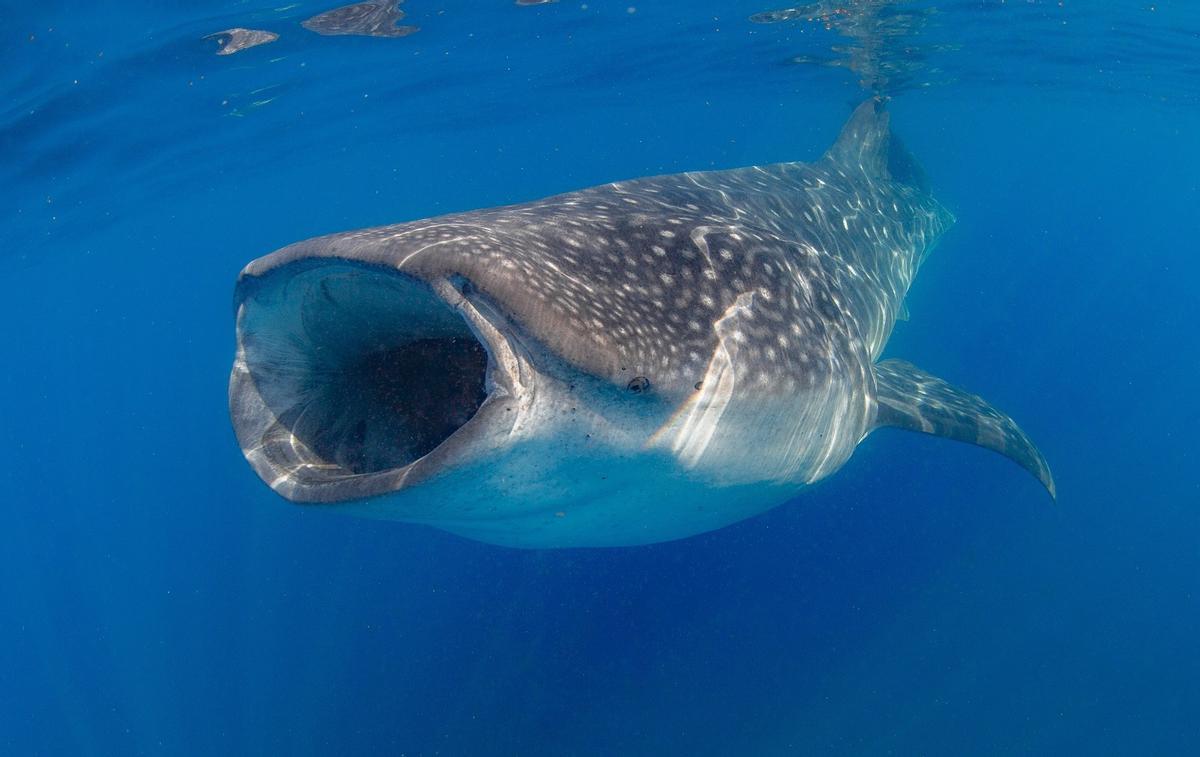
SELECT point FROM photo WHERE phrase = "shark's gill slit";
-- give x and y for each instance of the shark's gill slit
(365, 370)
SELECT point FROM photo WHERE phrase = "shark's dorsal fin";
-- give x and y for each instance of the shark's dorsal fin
(912, 399)
(863, 141)
(866, 143)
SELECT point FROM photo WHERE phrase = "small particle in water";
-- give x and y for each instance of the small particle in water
(237, 39)
(535, 2)
(638, 384)
(370, 19)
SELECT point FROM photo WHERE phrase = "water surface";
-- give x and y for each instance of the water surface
(157, 599)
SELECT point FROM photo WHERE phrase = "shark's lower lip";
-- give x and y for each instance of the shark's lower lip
(348, 376)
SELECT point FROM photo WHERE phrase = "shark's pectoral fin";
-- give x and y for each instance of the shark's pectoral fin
(912, 399)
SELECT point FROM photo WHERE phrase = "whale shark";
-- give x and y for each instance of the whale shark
(620, 365)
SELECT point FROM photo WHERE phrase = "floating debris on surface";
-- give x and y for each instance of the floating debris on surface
(237, 39)
(369, 19)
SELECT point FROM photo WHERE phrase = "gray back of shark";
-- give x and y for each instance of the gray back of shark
(624, 364)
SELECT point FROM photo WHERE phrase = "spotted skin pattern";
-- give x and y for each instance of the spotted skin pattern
(716, 332)
(628, 278)
(235, 40)
(368, 19)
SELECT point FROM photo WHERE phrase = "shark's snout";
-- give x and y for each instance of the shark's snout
(353, 380)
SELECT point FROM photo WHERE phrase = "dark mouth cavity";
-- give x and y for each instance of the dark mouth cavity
(403, 401)
(364, 369)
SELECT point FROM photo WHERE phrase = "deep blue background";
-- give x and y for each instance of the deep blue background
(156, 598)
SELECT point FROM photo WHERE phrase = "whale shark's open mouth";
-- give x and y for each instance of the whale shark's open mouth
(347, 376)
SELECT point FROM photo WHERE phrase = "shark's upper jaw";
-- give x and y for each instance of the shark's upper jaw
(356, 380)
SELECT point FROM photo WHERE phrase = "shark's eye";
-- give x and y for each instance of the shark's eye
(465, 288)
(638, 384)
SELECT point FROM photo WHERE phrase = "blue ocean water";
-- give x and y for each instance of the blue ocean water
(156, 598)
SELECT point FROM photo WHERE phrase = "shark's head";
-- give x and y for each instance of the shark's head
(380, 374)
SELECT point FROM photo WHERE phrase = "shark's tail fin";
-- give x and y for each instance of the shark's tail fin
(912, 399)
(866, 143)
